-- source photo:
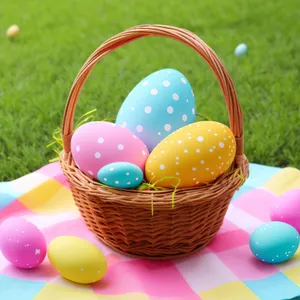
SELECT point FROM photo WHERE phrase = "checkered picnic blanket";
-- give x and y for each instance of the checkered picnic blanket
(224, 270)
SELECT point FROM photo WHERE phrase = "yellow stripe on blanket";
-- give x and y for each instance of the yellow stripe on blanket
(294, 275)
(229, 291)
(287, 179)
(50, 197)
(58, 292)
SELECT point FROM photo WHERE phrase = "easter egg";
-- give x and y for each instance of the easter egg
(241, 49)
(121, 175)
(287, 209)
(22, 243)
(77, 259)
(157, 106)
(97, 144)
(194, 154)
(274, 242)
(12, 31)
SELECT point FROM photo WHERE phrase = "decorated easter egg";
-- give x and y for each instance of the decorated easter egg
(13, 31)
(76, 259)
(241, 49)
(195, 154)
(22, 243)
(274, 242)
(121, 175)
(160, 104)
(287, 209)
(97, 144)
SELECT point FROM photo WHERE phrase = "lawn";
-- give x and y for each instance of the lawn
(38, 69)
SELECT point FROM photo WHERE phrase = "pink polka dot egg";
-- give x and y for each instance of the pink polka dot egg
(22, 243)
(97, 144)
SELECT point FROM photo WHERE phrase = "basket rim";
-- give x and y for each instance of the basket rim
(125, 196)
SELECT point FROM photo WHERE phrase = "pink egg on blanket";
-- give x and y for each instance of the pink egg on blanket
(96, 144)
(22, 243)
(287, 209)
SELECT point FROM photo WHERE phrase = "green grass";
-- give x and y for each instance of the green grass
(37, 69)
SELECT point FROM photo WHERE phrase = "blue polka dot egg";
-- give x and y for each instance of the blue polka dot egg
(274, 242)
(157, 106)
(121, 175)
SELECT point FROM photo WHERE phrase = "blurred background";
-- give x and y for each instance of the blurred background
(37, 69)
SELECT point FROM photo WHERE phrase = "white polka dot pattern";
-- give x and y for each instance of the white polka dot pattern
(166, 83)
(175, 96)
(154, 92)
(170, 109)
(167, 127)
(139, 128)
(148, 109)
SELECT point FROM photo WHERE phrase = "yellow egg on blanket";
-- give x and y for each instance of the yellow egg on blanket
(195, 154)
(77, 259)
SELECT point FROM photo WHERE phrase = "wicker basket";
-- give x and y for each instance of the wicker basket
(122, 219)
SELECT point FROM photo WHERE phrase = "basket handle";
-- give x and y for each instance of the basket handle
(178, 34)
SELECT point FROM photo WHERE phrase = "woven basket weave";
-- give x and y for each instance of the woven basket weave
(122, 218)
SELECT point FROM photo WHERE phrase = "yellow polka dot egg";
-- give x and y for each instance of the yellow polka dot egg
(193, 155)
